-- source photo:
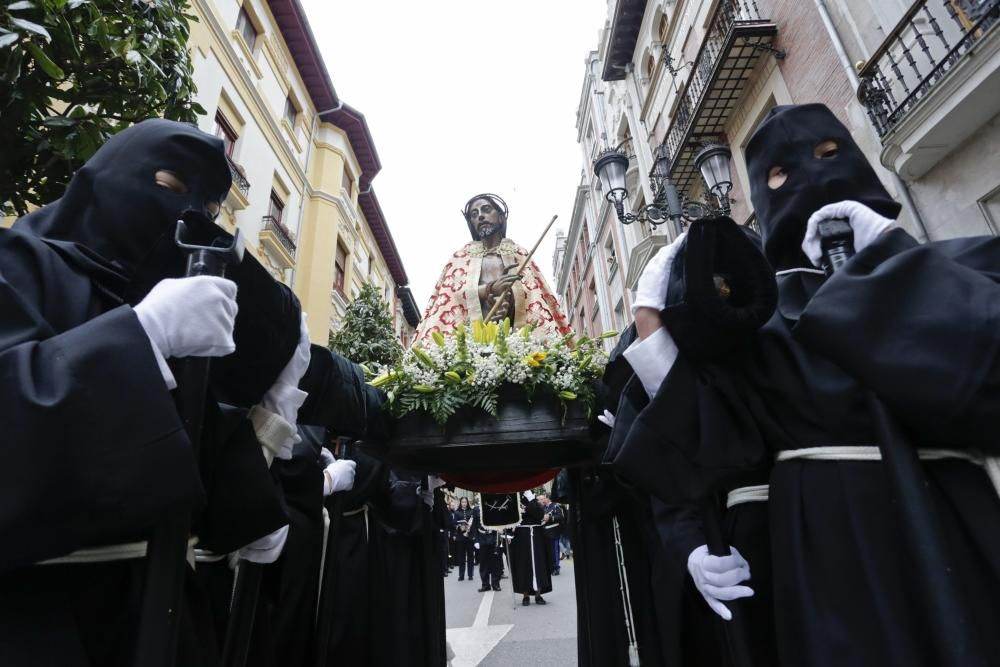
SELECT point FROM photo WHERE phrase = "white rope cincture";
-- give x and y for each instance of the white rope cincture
(990, 464)
(801, 269)
(112, 553)
(748, 494)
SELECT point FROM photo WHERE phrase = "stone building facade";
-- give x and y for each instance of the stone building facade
(302, 160)
(669, 75)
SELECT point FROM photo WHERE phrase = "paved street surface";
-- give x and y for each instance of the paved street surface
(488, 630)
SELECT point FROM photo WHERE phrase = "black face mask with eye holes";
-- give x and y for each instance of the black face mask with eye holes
(116, 223)
(788, 137)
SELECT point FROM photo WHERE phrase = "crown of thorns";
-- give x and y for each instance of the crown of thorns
(496, 200)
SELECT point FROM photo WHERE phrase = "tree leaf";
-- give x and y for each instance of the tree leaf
(22, 4)
(54, 71)
(31, 27)
(8, 39)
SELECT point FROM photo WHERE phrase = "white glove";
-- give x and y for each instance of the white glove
(476, 545)
(339, 476)
(284, 397)
(529, 495)
(326, 456)
(189, 317)
(866, 223)
(607, 419)
(716, 578)
(433, 482)
(266, 549)
(275, 435)
(651, 291)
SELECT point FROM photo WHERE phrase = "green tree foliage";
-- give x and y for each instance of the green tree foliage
(366, 335)
(74, 72)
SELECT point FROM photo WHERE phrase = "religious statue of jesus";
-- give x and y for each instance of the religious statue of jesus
(485, 271)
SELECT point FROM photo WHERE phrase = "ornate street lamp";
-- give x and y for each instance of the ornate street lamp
(713, 163)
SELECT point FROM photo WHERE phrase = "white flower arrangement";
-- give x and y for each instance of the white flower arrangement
(470, 366)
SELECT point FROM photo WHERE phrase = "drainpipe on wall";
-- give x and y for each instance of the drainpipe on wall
(306, 187)
(852, 76)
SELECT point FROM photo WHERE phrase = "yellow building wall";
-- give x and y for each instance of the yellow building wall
(318, 241)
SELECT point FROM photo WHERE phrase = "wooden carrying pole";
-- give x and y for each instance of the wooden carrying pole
(499, 299)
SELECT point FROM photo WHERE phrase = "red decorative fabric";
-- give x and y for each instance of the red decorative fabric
(502, 482)
(449, 305)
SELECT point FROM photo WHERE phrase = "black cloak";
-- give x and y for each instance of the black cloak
(95, 452)
(918, 325)
(531, 555)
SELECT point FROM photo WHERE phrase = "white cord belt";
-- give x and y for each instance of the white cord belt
(990, 464)
(206, 556)
(747, 494)
(110, 553)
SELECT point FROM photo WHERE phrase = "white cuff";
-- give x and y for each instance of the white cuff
(284, 399)
(274, 433)
(168, 375)
(652, 358)
(267, 549)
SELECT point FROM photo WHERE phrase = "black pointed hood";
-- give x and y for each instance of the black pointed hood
(788, 137)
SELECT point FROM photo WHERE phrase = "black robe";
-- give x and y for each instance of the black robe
(918, 326)
(409, 596)
(95, 453)
(530, 553)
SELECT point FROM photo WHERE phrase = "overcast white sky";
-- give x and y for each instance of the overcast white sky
(462, 97)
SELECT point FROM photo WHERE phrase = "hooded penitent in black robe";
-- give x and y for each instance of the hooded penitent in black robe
(285, 627)
(918, 326)
(530, 556)
(94, 451)
(603, 626)
(409, 593)
(674, 625)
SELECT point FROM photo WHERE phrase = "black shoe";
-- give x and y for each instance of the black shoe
(556, 573)
(496, 588)
(461, 578)
(526, 601)
(540, 600)
(483, 589)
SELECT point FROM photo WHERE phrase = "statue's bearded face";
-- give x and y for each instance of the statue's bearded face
(486, 218)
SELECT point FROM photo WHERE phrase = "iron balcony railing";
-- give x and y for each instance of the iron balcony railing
(239, 180)
(930, 39)
(729, 15)
(272, 225)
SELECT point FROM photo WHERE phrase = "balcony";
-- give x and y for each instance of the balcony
(276, 238)
(240, 188)
(737, 38)
(933, 81)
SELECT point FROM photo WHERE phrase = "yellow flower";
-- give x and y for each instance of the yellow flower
(453, 376)
(567, 395)
(423, 388)
(438, 337)
(381, 380)
(535, 360)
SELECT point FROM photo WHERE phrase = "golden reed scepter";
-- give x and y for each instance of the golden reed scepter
(499, 299)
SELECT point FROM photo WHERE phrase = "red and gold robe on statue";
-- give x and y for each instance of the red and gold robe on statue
(456, 295)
